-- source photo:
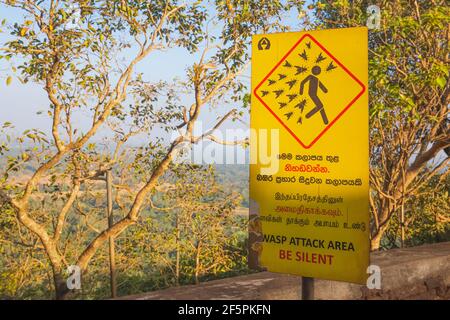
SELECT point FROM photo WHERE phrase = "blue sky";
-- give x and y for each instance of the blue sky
(21, 102)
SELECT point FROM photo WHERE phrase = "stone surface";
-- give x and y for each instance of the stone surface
(421, 272)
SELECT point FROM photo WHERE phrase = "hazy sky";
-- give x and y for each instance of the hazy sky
(20, 102)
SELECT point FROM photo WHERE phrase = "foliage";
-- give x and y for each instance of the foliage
(409, 96)
(85, 60)
(427, 216)
(173, 223)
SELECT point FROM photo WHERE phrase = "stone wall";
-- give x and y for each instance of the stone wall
(421, 272)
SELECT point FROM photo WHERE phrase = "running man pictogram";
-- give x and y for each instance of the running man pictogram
(313, 87)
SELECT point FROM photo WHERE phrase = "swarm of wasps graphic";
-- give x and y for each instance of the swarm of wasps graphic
(284, 84)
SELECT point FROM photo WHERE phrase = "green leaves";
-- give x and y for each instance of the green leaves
(408, 74)
(90, 73)
(441, 81)
(23, 31)
(408, 102)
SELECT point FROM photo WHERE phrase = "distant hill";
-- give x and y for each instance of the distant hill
(234, 177)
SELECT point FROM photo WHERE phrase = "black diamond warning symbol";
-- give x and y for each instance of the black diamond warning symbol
(308, 90)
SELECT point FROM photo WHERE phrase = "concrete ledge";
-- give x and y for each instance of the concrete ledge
(413, 273)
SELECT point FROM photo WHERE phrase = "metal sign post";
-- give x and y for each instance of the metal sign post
(307, 288)
(112, 251)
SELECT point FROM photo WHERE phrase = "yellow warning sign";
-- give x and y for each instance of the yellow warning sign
(309, 206)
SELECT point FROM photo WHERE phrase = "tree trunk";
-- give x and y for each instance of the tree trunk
(50, 246)
(375, 242)
(61, 290)
(197, 263)
(376, 238)
(177, 262)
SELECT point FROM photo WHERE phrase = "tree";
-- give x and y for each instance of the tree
(426, 216)
(408, 94)
(79, 70)
(193, 230)
(204, 224)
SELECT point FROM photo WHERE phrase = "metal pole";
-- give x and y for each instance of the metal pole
(402, 213)
(307, 288)
(112, 250)
(402, 224)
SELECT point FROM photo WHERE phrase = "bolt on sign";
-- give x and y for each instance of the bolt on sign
(309, 208)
